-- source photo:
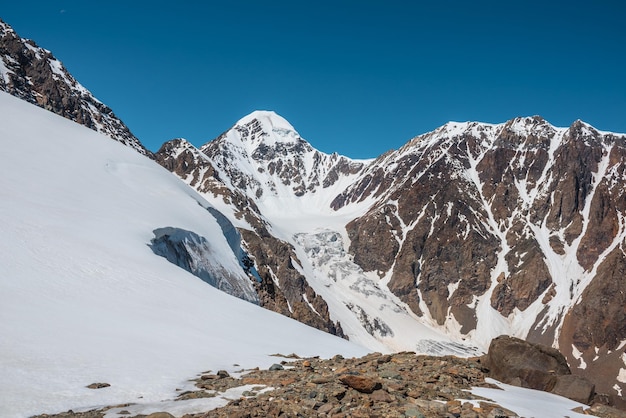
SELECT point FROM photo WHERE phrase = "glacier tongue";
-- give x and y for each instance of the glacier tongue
(368, 312)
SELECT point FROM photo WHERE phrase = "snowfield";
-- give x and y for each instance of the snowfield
(84, 299)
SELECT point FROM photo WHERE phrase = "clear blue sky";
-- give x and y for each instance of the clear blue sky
(354, 77)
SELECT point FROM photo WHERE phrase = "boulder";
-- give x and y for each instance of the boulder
(576, 388)
(518, 362)
(362, 384)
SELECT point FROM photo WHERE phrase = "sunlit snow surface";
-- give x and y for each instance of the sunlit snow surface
(83, 299)
(529, 403)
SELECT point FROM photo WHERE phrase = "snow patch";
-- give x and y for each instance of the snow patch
(530, 402)
(579, 356)
(190, 406)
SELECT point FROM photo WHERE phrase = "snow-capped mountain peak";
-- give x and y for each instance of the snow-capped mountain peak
(264, 132)
(270, 120)
(264, 155)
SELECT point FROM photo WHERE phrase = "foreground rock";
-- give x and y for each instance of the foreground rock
(377, 385)
(535, 366)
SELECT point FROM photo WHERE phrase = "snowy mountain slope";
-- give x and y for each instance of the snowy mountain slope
(465, 233)
(35, 75)
(519, 230)
(84, 299)
(277, 189)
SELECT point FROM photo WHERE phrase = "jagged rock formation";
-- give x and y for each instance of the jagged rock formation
(478, 229)
(281, 287)
(33, 74)
(524, 223)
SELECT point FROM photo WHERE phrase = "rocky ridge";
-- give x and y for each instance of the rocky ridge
(33, 74)
(520, 222)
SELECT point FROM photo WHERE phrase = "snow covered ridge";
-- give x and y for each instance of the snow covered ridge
(35, 75)
(84, 299)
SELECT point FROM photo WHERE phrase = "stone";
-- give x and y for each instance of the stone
(362, 384)
(98, 385)
(381, 395)
(160, 415)
(573, 387)
(514, 361)
(326, 408)
(413, 413)
(498, 413)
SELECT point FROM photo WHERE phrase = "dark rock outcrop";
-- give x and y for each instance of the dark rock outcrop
(520, 363)
(35, 75)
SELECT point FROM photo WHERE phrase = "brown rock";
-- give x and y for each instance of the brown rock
(381, 395)
(160, 415)
(573, 387)
(362, 384)
(326, 408)
(519, 362)
(98, 385)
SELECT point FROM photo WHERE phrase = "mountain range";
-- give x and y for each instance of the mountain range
(463, 234)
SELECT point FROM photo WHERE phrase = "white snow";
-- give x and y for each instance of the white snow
(190, 406)
(83, 298)
(579, 356)
(529, 402)
(35, 50)
(4, 71)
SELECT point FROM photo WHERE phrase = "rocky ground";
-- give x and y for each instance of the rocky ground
(377, 385)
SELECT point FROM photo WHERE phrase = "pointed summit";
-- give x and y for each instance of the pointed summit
(265, 127)
(268, 118)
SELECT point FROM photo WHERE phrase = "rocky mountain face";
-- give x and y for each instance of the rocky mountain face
(520, 223)
(474, 229)
(240, 169)
(33, 74)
